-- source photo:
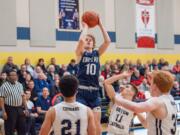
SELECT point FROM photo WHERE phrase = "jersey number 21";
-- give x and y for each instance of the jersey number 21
(67, 126)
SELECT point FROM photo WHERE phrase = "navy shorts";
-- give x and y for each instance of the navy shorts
(89, 98)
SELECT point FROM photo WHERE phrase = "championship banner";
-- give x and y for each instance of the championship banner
(69, 14)
(145, 23)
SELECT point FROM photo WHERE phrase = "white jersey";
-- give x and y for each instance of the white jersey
(166, 126)
(70, 119)
(119, 120)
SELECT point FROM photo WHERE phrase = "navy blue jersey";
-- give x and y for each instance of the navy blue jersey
(88, 69)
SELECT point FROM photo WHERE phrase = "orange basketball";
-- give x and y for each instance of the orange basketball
(91, 18)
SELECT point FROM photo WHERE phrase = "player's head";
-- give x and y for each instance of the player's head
(89, 42)
(129, 90)
(161, 82)
(68, 85)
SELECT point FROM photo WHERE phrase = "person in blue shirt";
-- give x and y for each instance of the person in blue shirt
(72, 67)
(40, 83)
(43, 104)
(88, 70)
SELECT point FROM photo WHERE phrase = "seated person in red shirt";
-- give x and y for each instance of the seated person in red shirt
(136, 78)
(176, 70)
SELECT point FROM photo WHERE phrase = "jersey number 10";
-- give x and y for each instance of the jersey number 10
(91, 69)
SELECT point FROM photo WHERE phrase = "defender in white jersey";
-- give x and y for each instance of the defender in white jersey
(120, 117)
(161, 109)
(69, 117)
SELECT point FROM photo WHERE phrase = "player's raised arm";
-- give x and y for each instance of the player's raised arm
(142, 119)
(81, 42)
(91, 123)
(108, 84)
(147, 106)
(106, 37)
(47, 124)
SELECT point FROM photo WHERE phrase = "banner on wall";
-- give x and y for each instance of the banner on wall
(145, 23)
(69, 14)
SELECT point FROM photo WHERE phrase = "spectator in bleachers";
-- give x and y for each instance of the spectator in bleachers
(53, 62)
(30, 120)
(139, 64)
(29, 67)
(144, 85)
(118, 63)
(56, 77)
(176, 71)
(132, 65)
(66, 73)
(111, 63)
(125, 66)
(72, 67)
(9, 65)
(115, 69)
(161, 63)
(37, 71)
(31, 88)
(176, 68)
(165, 66)
(106, 72)
(149, 62)
(43, 104)
(175, 91)
(153, 65)
(22, 73)
(28, 78)
(3, 78)
(62, 70)
(50, 75)
(40, 83)
(136, 78)
(145, 68)
(42, 65)
(55, 89)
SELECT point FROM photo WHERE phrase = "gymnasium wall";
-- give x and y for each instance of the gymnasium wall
(29, 29)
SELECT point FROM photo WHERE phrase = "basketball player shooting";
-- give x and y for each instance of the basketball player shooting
(161, 108)
(120, 117)
(89, 67)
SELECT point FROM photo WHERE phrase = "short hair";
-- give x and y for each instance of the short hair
(163, 80)
(30, 81)
(68, 85)
(73, 60)
(10, 71)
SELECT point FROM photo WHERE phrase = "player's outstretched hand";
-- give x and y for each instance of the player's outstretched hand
(100, 21)
(127, 74)
(84, 25)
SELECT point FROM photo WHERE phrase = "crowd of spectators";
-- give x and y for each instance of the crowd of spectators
(40, 81)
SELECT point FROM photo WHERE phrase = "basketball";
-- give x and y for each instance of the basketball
(91, 18)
